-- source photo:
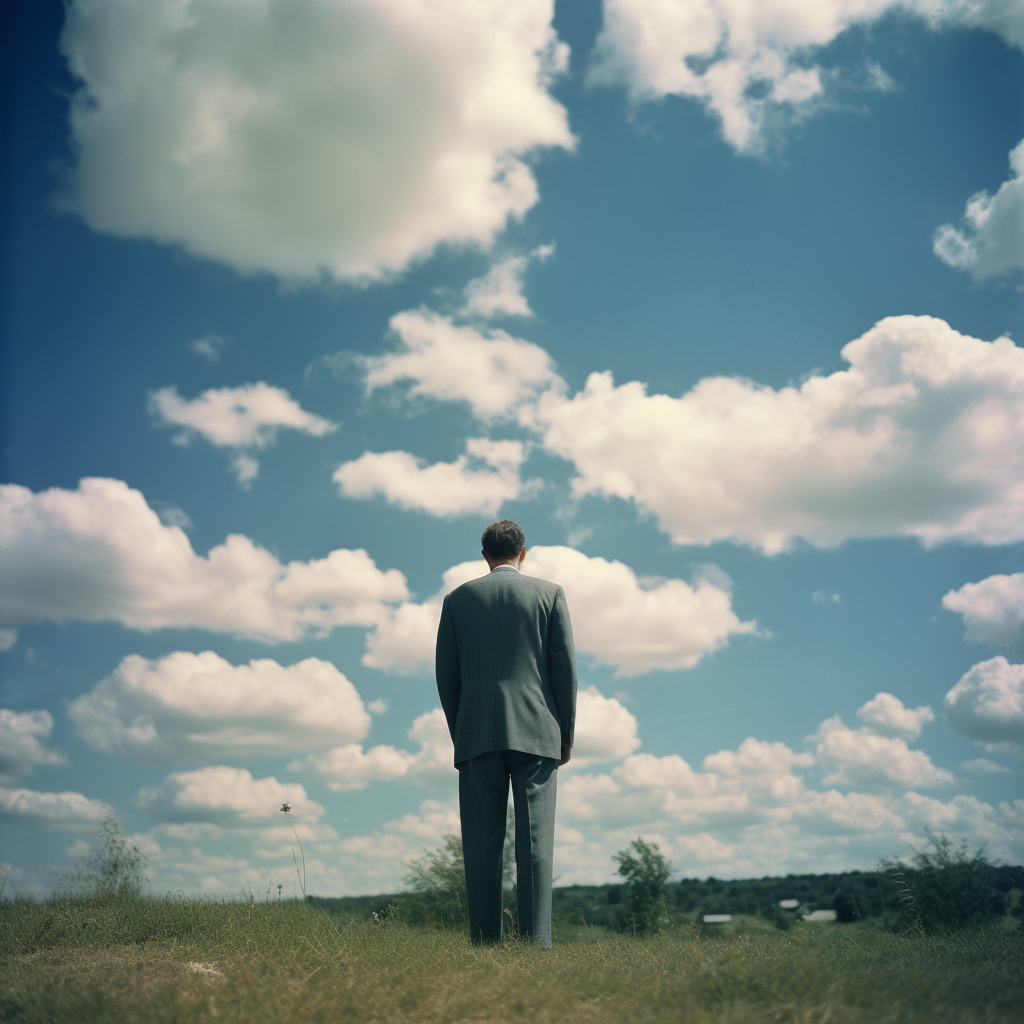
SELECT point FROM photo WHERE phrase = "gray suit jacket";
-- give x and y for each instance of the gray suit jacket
(506, 674)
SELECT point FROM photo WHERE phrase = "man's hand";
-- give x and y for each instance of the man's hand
(566, 754)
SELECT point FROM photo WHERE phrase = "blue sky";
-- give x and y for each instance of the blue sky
(719, 301)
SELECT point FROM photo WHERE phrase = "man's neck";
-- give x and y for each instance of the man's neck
(505, 565)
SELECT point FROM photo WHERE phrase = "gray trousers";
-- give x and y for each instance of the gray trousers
(483, 802)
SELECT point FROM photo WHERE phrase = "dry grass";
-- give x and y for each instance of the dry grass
(180, 960)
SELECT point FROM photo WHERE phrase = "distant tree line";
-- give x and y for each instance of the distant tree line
(942, 887)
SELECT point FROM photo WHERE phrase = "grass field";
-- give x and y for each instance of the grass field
(189, 960)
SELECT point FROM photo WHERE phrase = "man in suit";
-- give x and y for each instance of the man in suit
(506, 676)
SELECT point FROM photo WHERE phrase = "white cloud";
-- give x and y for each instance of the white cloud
(991, 241)
(987, 704)
(244, 417)
(209, 346)
(887, 714)
(862, 757)
(921, 436)
(492, 371)
(20, 746)
(57, 809)
(749, 812)
(348, 144)
(8, 638)
(100, 553)
(750, 62)
(823, 597)
(350, 767)
(377, 707)
(500, 291)
(605, 730)
(474, 484)
(983, 766)
(993, 611)
(746, 812)
(199, 705)
(636, 625)
(246, 469)
(228, 797)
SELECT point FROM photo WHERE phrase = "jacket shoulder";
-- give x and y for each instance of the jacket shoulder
(533, 584)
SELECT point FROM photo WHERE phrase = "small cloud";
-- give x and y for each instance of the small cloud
(885, 713)
(877, 78)
(476, 483)
(246, 469)
(989, 241)
(993, 611)
(983, 766)
(171, 515)
(987, 705)
(8, 638)
(377, 707)
(239, 418)
(209, 346)
(341, 364)
(77, 850)
(500, 291)
(708, 572)
(823, 597)
(21, 734)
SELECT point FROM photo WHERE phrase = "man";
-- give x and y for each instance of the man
(506, 676)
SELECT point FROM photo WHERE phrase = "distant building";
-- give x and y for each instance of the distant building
(717, 918)
(820, 915)
(789, 904)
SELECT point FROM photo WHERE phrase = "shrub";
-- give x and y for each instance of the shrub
(437, 881)
(845, 906)
(647, 871)
(945, 888)
(112, 868)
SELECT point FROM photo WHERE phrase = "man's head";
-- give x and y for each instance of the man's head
(502, 541)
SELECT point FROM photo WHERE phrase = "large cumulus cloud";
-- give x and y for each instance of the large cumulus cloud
(100, 553)
(922, 436)
(186, 705)
(323, 137)
(987, 704)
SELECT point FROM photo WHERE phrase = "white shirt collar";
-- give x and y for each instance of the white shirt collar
(498, 568)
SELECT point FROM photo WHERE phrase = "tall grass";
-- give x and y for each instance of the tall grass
(163, 960)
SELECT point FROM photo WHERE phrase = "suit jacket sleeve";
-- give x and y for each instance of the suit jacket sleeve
(562, 667)
(446, 667)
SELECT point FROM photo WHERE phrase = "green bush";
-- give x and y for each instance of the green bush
(437, 884)
(943, 888)
(112, 868)
(845, 905)
(647, 871)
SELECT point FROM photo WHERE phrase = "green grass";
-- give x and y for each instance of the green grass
(188, 960)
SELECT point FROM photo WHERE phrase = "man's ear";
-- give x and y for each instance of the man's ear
(522, 555)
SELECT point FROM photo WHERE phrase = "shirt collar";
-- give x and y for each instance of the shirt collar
(498, 568)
